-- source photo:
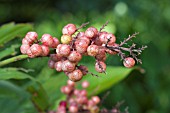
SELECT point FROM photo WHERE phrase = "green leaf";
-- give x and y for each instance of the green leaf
(12, 30)
(14, 99)
(14, 73)
(9, 51)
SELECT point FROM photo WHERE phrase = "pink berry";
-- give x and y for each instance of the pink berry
(70, 83)
(83, 69)
(91, 32)
(81, 46)
(107, 38)
(84, 38)
(129, 62)
(101, 54)
(55, 57)
(45, 50)
(113, 52)
(63, 50)
(83, 93)
(73, 109)
(69, 29)
(97, 41)
(68, 66)
(26, 42)
(74, 56)
(100, 66)
(36, 50)
(51, 64)
(85, 84)
(63, 103)
(24, 48)
(47, 40)
(76, 75)
(80, 34)
(96, 99)
(92, 50)
(29, 53)
(66, 89)
(58, 66)
(55, 43)
(31, 37)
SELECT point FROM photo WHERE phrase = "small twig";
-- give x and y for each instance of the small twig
(104, 25)
(129, 38)
(83, 25)
(104, 97)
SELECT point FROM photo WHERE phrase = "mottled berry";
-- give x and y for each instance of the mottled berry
(58, 66)
(83, 69)
(100, 66)
(55, 43)
(69, 29)
(68, 66)
(51, 64)
(63, 50)
(96, 99)
(24, 48)
(47, 40)
(31, 37)
(81, 46)
(91, 32)
(129, 62)
(74, 56)
(85, 84)
(76, 75)
(45, 50)
(92, 50)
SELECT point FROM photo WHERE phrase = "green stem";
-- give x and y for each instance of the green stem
(13, 59)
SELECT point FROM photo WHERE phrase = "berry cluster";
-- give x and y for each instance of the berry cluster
(74, 45)
(77, 100)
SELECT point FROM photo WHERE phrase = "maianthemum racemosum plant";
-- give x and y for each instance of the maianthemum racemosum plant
(74, 45)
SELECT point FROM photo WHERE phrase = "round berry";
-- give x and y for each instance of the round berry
(45, 50)
(55, 57)
(66, 39)
(83, 69)
(113, 52)
(91, 32)
(100, 66)
(26, 42)
(24, 48)
(85, 84)
(69, 29)
(70, 83)
(92, 50)
(80, 34)
(101, 54)
(96, 99)
(29, 53)
(55, 43)
(63, 50)
(47, 40)
(51, 64)
(31, 37)
(58, 66)
(129, 62)
(81, 46)
(36, 50)
(76, 75)
(73, 109)
(68, 66)
(74, 56)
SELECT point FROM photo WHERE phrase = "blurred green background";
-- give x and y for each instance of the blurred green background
(143, 93)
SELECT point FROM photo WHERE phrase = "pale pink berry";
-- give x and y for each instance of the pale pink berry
(84, 38)
(129, 62)
(101, 54)
(100, 66)
(58, 66)
(31, 37)
(45, 50)
(85, 84)
(66, 89)
(29, 53)
(82, 100)
(91, 32)
(83, 93)
(113, 52)
(63, 50)
(97, 41)
(76, 92)
(68, 66)
(92, 50)
(81, 46)
(66, 39)
(76, 75)
(69, 29)
(107, 38)
(47, 40)
(36, 50)
(51, 64)
(96, 99)
(55, 43)
(24, 48)
(73, 109)
(74, 56)
(26, 42)
(70, 83)
(90, 103)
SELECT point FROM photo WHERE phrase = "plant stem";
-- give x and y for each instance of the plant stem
(13, 59)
